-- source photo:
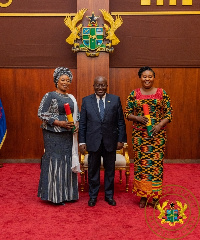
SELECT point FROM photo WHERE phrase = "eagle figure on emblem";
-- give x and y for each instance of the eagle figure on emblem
(114, 24)
(182, 209)
(71, 24)
(162, 209)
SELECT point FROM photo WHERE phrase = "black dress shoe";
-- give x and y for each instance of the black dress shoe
(110, 201)
(92, 202)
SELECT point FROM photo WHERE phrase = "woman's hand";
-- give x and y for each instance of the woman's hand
(156, 129)
(142, 119)
(76, 127)
(64, 124)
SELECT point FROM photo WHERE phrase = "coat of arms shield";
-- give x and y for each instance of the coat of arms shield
(92, 37)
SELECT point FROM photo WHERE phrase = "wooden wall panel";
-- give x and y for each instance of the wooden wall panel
(21, 91)
(90, 67)
(87, 69)
(122, 81)
(36, 42)
(156, 40)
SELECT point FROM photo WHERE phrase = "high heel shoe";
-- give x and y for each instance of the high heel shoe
(154, 203)
(143, 202)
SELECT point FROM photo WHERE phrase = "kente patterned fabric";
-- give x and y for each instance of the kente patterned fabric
(148, 151)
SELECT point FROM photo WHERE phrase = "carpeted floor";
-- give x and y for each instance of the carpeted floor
(25, 217)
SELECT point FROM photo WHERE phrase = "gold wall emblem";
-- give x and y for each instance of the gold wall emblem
(92, 38)
(6, 4)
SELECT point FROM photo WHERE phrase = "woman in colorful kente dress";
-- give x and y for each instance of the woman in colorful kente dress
(148, 149)
(60, 162)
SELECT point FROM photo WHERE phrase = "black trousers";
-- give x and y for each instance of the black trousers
(94, 163)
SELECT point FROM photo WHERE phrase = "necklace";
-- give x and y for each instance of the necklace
(62, 94)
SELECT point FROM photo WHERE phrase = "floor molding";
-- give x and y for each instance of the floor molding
(181, 160)
(131, 160)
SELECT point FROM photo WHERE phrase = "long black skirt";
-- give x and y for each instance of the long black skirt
(57, 181)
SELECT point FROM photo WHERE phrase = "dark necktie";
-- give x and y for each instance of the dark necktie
(101, 108)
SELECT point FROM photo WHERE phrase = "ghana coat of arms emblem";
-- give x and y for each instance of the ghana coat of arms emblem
(172, 215)
(93, 38)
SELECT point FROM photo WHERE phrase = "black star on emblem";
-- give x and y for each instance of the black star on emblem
(93, 18)
(172, 205)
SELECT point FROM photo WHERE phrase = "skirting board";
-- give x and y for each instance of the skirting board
(131, 160)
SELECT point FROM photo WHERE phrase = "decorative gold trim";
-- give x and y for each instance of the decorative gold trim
(160, 2)
(36, 14)
(172, 2)
(145, 2)
(112, 13)
(4, 137)
(157, 13)
(5, 4)
(186, 2)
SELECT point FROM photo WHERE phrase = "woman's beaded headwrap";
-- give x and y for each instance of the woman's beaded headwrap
(59, 71)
